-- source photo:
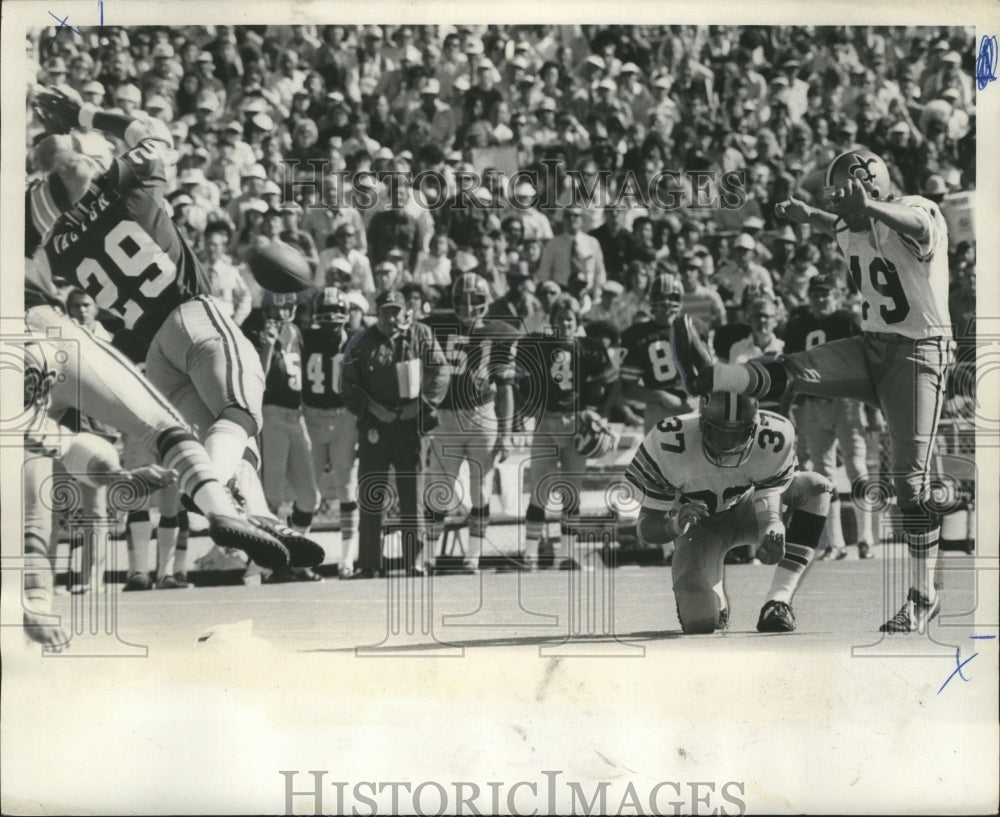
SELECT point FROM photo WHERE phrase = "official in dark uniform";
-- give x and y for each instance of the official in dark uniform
(395, 376)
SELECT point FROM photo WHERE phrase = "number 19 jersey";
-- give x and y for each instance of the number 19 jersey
(670, 468)
(903, 282)
(118, 243)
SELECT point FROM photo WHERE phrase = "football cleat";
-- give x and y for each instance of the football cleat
(914, 616)
(728, 423)
(169, 582)
(253, 539)
(776, 617)
(137, 580)
(301, 551)
(691, 356)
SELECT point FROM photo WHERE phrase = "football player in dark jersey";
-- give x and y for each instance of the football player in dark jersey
(648, 372)
(98, 377)
(286, 449)
(569, 373)
(118, 243)
(475, 416)
(825, 422)
(332, 428)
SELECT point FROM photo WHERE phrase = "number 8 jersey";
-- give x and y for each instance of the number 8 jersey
(118, 244)
(670, 467)
(903, 282)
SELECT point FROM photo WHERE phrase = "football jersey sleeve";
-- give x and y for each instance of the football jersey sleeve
(929, 215)
(646, 475)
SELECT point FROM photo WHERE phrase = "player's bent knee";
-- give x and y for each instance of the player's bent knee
(698, 611)
(91, 459)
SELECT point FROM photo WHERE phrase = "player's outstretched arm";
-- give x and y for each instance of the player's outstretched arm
(798, 211)
(900, 218)
(60, 112)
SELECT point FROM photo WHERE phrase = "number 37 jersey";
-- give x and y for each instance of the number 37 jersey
(903, 282)
(118, 243)
(670, 468)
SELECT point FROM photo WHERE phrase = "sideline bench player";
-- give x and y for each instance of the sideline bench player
(897, 254)
(717, 479)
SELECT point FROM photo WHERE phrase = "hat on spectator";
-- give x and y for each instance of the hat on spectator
(430, 87)
(390, 298)
(208, 102)
(570, 210)
(465, 261)
(373, 33)
(93, 87)
(396, 254)
(485, 64)
(263, 122)
(790, 62)
(385, 266)
(179, 198)
(780, 81)
(461, 83)
(254, 104)
(383, 153)
(547, 104)
(179, 130)
(744, 241)
(163, 51)
(753, 223)
(193, 175)
(56, 65)
(474, 46)
(550, 287)
(355, 300)
(663, 81)
(128, 92)
(255, 172)
(291, 207)
(257, 205)
(786, 234)
(596, 61)
(233, 127)
(847, 126)
(630, 68)
(940, 45)
(613, 287)
(520, 62)
(824, 282)
(453, 156)
(900, 127)
(951, 94)
(404, 155)
(157, 103)
(271, 188)
(205, 56)
(934, 186)
(952, 57)
(412, 54)
(524, 188)
(608, 85)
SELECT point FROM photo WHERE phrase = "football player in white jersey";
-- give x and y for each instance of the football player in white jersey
(897, 251)
(716, 479)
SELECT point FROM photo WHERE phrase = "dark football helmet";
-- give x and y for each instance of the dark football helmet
(470, 297)
(331, 307)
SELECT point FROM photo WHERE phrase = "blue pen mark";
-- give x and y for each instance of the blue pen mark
(960, 664)
(986, 62)
(100, 5)
(62, 25)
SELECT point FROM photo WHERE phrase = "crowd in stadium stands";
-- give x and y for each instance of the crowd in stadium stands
(585, 159)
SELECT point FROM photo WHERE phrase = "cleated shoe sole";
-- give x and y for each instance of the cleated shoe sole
(302, 551)
(237, 532)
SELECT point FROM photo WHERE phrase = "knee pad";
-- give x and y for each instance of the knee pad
(698, 610)
(91, 459)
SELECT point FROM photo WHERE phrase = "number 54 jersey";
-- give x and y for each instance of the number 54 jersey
(670, 468)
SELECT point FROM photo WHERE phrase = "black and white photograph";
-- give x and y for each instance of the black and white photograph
(502, 409)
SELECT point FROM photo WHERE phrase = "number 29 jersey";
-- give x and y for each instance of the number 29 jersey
(118, 243)
(903, 282)
(670, 468)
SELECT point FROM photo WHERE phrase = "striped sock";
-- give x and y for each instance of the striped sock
(181, 452)
(534, 522)
(923, 548)
(802, 537)
(479, 520)
(301, 521)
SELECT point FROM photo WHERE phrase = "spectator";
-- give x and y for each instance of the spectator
(574, 259)
(228, 285)
(743, 271)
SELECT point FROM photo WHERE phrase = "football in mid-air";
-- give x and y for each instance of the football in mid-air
(278, 267)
